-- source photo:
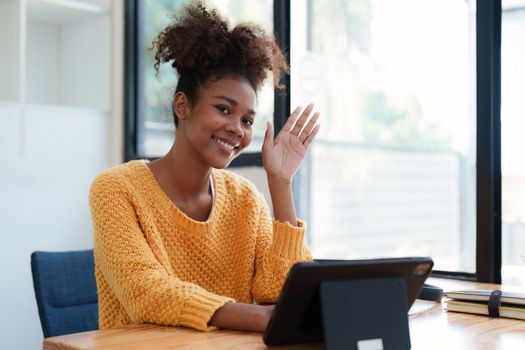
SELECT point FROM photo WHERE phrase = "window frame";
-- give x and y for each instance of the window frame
(488, 146)
(488, 141)
(488, 125)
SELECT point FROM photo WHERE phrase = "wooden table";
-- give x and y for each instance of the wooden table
(430, 328)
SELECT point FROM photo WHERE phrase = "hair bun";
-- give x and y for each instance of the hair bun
(201, 41)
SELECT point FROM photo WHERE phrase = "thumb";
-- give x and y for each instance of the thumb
(268, 135)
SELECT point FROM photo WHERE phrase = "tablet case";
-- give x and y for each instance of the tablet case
(297, 317)
(365, 314)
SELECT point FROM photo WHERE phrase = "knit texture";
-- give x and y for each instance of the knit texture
(154, 264)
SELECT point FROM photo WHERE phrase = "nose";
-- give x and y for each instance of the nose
(235, 127)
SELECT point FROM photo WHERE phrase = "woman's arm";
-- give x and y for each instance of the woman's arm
(282, 200)
(279, 245)
(243, 317)
(283, 156)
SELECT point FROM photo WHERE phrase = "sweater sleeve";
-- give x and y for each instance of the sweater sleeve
(148, 292)
(279, 246)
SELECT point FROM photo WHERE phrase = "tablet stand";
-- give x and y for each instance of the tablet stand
(365, 314)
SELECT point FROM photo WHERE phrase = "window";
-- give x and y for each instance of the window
(408, 160)
(513, 142)
(154, 128)
(392, 172)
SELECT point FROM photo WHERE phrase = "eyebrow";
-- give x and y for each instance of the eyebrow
(233, 102)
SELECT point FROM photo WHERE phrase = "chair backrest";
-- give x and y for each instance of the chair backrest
(66, 291)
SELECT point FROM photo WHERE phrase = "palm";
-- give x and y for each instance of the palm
(283, 156)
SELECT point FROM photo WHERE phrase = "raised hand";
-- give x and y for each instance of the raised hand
(283, 156)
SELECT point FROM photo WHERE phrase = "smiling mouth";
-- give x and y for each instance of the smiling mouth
(225, 145)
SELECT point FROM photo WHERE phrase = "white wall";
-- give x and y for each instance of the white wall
(85, 51)
(9, 135)
(50, 153)
(42, 62)
(48, 158)
(9, 50)
(67, 63)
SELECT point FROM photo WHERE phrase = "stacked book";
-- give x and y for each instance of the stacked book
(476, 301)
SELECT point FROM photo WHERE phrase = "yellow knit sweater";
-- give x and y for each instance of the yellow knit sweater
(154, 264)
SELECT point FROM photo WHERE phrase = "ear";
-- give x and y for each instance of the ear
(181, 105)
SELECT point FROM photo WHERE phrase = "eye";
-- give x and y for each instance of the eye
(223, 109)
(248, 121)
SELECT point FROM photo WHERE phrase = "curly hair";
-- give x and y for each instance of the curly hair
(203, 48)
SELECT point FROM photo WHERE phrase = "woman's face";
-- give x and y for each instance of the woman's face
(219, 125)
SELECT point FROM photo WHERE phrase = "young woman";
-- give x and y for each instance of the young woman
(180, 241)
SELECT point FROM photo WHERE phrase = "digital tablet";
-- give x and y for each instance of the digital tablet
(297, 314)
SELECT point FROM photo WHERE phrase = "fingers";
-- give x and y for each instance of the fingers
(291, 120)
(302, 120)
(309, 127)
(268, 135)
(311, 136)
(299, 125)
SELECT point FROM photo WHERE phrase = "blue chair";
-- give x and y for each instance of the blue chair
(66, 291)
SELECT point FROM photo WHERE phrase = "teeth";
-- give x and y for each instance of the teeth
(225, 144)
